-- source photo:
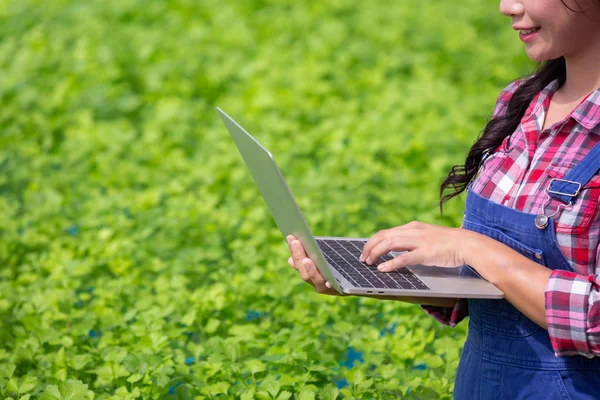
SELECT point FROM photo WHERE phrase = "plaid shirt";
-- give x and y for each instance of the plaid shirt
(515, 175)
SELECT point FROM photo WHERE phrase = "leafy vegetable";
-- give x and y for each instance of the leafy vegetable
(137, 258)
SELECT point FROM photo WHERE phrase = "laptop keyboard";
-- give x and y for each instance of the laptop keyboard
(343, 256)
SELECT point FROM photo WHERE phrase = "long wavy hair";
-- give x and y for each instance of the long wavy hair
(504, 125)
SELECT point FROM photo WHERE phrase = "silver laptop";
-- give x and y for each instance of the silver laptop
(337, 257)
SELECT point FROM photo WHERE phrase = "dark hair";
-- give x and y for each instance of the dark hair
(503, 125)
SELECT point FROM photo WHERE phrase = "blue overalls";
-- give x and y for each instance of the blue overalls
(506, 355)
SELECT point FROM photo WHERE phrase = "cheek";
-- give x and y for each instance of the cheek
(549, 45)
(581, 34)
(565, 36)
(566, 32)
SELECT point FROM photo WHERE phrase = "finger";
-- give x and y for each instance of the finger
(314, 274)
(372, 242)
(402, 241)
(291, 262)
(379, 249)
(383, 234)
(402, 261)
(291, 247)
(298, 252)
(320, 284)
(292, 258)
(298, 255)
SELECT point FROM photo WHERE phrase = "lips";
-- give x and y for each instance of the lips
(528, 31)
(528, 34)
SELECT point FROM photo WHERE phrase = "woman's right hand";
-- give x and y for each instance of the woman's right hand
(307, 268)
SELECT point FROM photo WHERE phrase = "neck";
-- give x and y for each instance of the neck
(583, 72)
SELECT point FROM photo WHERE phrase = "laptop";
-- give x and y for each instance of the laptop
(337, 257)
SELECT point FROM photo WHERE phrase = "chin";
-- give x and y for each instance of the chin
(540, 57)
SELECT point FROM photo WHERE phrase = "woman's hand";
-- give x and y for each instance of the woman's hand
(307, 268)
(310, 274)
(425, 244)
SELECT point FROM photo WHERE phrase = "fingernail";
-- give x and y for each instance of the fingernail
(382, 268)
(361, 258)
(369, 261)
(328, 285)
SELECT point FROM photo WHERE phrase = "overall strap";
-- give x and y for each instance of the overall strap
(568, 188)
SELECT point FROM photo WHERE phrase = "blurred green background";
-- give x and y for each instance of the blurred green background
(137, 258)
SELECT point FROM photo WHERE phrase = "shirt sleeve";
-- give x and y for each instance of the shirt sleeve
(453, 315)
(449, 315)
(573, 312)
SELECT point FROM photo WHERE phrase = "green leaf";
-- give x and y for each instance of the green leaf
(247, 394)
(161, 380)
(12, 385)
(343, 327)
(355, 376)
(329, 392)
(7, 370)
(69, 390)
(272, 388)
(218, 388)
(60, 359)
(78, 362)
(22, 385)
(306, 394)
(365, 384)
(27, 383)
(263, 395)
(61, 374)
(134, 378)
(212, 325)
(387, 371)
(255, 366)
(189, 318)
(114, 354)
(284, 395)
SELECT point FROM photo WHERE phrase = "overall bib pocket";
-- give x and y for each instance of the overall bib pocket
(576, 218)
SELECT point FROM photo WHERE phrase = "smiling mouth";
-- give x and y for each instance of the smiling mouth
(528, 31)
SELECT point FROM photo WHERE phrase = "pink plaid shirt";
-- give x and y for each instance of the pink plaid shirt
(515, 175)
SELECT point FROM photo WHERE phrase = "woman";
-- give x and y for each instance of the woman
(531, 225)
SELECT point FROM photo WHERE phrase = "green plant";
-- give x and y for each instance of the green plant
(137, 258)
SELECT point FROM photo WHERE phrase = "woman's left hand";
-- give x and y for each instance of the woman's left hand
(425, 244)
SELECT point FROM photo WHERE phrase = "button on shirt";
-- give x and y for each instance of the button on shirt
(515, 174)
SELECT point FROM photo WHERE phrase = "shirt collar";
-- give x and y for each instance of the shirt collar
(587, 113)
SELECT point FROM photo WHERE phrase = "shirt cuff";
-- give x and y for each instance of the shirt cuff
(566, 300)
(449, 315)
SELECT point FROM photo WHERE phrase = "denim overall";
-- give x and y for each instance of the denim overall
(506, 355)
